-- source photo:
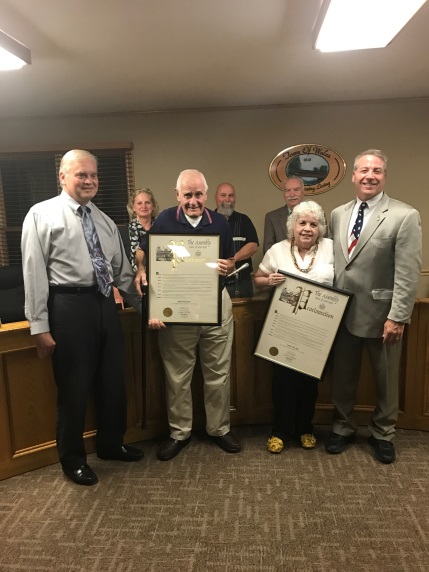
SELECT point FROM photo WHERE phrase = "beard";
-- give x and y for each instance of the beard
(226, 209)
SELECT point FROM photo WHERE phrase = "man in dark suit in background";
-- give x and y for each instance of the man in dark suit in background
(275, 221)
(377, 251)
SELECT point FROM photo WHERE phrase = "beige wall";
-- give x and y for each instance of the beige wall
(238, 146)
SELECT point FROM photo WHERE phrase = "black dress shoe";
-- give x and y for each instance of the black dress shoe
(83, 475)
(228, 442)
(337, 443)
(384, 451)
(126, 453)
(171, 447)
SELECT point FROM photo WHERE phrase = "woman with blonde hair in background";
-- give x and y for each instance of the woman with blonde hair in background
(142, 209)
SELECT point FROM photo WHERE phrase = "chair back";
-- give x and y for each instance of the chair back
(11, 294)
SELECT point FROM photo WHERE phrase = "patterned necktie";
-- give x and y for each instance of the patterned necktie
(95, 252)
(357, 228)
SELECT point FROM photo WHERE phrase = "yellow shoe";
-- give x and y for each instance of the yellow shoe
(275, 445)
(308, 441)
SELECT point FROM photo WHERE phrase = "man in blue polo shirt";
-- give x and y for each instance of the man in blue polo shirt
(178, 344)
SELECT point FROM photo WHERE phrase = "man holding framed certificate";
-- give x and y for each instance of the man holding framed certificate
(178, 343)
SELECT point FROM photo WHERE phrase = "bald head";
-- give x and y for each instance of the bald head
(225, 199)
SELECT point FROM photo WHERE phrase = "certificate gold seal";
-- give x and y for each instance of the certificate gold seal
(168, 312)
(273, 351)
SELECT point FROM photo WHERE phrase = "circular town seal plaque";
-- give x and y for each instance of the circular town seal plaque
(320, 167)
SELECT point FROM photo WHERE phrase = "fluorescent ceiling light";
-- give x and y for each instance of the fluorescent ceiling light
(361, 24)
(13, 54)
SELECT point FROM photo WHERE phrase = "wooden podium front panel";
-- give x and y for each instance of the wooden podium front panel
(28, 393)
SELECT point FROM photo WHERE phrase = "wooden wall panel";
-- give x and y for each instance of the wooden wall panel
(31, 392)
(417, 367)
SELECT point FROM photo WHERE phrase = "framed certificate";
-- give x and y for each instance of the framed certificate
(183, 281)
(301, 324)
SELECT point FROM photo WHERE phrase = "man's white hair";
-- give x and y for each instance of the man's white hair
(187, 173)
(73, 155)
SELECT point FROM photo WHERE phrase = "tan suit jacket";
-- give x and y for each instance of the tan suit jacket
(383, 274)
(384, 269)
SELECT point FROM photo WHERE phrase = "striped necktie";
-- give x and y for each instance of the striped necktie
(95, 252)
(357, 227)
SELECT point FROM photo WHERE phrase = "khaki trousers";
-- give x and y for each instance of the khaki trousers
(178, 347)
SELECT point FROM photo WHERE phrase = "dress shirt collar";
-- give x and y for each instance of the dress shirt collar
(370, 202)
(74, 205)
(205, 219)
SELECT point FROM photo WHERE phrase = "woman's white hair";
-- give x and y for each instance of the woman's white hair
(307, 208)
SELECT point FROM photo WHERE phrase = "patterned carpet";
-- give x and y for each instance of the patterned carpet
(207, 511)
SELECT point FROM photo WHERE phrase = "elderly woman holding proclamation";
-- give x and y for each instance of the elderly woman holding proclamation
(307, 254)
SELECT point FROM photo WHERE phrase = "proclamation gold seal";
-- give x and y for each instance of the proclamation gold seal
(320, 167)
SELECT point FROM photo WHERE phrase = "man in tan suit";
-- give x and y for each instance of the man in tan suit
(377, 250)
(275, 221)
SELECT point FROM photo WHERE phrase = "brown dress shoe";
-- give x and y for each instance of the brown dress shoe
(228, 442)
(171, 447)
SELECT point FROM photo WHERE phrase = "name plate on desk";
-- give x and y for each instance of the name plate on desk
(301, 324)
(183, 279)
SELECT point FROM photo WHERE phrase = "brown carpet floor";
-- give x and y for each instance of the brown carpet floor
(303, 511)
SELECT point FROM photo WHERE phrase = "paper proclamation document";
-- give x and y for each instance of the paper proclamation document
(183, 279)
(301, 324)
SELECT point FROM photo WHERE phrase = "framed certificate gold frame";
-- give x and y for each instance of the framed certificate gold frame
(301, 324)
(183, 280)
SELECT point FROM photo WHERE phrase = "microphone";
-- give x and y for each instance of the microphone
(237, 270)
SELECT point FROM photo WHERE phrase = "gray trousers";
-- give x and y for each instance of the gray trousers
(385, 361)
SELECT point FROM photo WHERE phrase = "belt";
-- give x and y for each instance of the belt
(77, 290)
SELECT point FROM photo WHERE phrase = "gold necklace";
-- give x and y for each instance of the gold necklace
(313, 258)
